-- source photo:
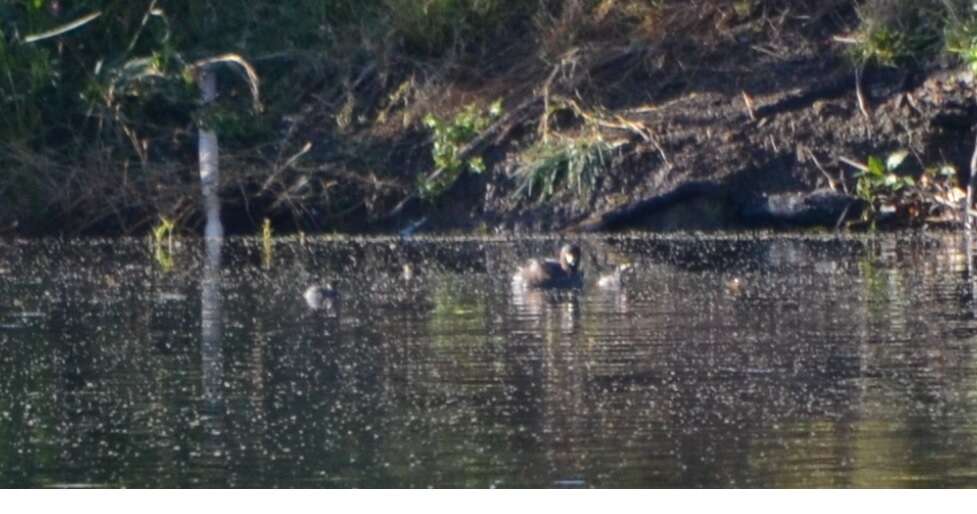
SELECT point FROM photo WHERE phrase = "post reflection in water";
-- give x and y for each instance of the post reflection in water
(832, 362)
(212, 409)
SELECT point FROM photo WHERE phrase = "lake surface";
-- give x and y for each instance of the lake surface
(740, 361)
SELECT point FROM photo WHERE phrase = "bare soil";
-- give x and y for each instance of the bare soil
(685, 121)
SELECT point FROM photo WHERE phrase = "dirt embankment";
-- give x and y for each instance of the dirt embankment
(770, 110)
(705, 114)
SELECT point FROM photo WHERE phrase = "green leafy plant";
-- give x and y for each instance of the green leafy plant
(961, 39)
(164, 232)
(879, 179)
(880, 186)
(890, 192)
(266, 244)
(450, 138)
(566, 164)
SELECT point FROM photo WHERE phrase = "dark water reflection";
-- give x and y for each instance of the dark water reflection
(837, 362)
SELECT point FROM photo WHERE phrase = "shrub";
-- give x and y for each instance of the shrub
(450, 137)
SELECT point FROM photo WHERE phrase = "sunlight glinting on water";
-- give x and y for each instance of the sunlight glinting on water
(778, 361)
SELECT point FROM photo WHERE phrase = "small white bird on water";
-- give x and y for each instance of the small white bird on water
(318, 296)
(613, 280)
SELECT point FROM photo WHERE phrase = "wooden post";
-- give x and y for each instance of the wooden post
(211, 330)
(967, 221)
(208, 156)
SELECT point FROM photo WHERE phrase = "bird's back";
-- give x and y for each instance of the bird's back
(545, 273)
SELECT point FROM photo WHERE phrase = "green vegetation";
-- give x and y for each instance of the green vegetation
(164, 253)
(897, 32)
(888, 47)
(450, 138)
(112, 101)
(904, 32)
(364, 103)
(890, 190)
(572, 164)
(879, 182)
(164, 232)
(961, 37)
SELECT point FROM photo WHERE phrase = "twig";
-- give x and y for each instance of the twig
(544, 121)
(863, 106)
(844, 214)
(288, 164)
(853, 163)
(767, 51)
(831, 182)
(249, 73)
(151, 10)
(750, 108)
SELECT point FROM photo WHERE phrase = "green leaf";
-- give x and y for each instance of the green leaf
(876, 167)
(496, 108)
(896, 159)
(476, 164)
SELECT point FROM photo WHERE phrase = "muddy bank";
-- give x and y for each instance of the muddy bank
(704, 159)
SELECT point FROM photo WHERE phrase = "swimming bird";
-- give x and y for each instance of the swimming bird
(317, 296)
(613, 279)
(560, 272)
(734, 286)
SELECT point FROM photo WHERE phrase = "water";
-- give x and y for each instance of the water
(835, 362)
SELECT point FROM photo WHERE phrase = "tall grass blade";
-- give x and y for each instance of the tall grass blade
(62, 29)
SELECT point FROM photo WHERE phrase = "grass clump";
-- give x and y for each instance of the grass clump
(898, 32)
(884, 46)
(565, 164)
(961, 31)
